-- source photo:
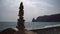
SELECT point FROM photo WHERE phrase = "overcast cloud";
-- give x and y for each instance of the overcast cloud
(32, 9)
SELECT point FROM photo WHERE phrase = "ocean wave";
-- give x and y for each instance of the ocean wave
(43, 27)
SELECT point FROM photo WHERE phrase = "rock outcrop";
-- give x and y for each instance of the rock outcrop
(47, 18)
(8, 31)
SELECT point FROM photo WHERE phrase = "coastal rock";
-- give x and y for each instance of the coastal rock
(8, 31)
(33, 20)
(13, 31)
(47, 18)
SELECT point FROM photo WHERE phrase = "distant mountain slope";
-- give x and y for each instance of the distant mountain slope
(47, 18)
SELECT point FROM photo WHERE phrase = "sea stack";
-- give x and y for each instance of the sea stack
(20, 24)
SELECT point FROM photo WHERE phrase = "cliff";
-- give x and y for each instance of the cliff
(47, 18)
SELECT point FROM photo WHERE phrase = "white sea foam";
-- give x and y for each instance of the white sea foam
(43, 27)
(15, 29)
(49, 26)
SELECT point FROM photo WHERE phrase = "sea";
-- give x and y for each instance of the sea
(29, 25)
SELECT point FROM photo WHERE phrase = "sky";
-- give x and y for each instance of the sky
(32, 9)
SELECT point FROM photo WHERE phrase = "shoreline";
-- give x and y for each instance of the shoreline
(51, 30)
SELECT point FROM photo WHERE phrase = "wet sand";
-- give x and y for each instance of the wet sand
(51, 30)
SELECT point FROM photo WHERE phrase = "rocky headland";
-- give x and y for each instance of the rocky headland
(47, 18)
